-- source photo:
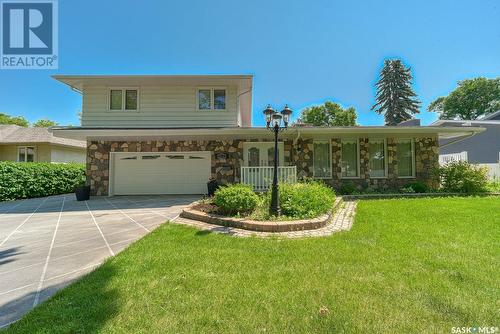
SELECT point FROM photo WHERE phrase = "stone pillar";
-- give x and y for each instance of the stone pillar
(427, 160)
(336, 162)
(364, 161)
(303, 158)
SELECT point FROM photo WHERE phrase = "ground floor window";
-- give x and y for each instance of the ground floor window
(405, 156)
(25, 154)
(322, 161)
(377, 151)
(350, 158)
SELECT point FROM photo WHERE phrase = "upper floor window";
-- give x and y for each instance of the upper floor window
(350, 158)
(405, 155)
(26, 154)
(322, 160)
(123, 99)
(211, 99)
(377, 151)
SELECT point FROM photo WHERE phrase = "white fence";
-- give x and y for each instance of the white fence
(261, 177)
(445, 158)
(493, 169)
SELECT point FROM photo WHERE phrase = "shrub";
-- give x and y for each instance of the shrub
(304, 200)
(462, 177)
(418, 187)
(37, 179)
(348, 188)
(493, 186)
(236, 199)
(407, 190)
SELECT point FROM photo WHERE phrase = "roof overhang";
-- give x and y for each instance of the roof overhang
(78, 82)
(138, 134)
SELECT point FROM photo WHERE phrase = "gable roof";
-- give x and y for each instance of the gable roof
(14, 134)
(493, 116)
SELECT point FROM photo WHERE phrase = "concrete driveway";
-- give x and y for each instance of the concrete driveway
(46, 243)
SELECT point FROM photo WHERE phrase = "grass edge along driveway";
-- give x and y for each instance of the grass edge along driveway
(408, 265)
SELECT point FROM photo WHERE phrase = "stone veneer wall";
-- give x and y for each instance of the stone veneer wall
(226, 168)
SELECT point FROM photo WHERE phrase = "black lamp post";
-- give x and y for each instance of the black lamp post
(273, 123)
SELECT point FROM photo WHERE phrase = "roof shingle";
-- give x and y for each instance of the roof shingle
(13, 134)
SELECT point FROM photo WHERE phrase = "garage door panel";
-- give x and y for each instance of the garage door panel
(161, 173)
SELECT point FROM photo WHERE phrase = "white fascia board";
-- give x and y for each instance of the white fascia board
(83, 133)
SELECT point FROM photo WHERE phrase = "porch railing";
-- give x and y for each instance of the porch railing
(261, 178)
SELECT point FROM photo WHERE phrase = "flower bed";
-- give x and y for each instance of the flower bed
(303, 205)
(205, 212)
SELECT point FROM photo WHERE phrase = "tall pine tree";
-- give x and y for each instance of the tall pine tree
(395, 96)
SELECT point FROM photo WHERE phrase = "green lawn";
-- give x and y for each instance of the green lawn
(407, 266)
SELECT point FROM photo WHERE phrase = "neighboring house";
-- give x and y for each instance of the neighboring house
(171, 134)
(483, 148)
(24, 144)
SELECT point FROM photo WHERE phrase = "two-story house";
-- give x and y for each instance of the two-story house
(169, 134)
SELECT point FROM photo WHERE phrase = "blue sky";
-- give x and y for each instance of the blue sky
(300, 52)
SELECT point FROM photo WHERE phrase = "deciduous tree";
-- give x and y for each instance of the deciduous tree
(16, 120)
(471, 99)
(329, 114)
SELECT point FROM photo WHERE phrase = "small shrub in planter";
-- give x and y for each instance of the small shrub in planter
(236, 199)
(463, 177)
(407, 190)
(418, 187)
(348, 188)
(304, 200)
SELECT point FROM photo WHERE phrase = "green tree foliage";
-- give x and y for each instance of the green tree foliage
(16, 120)
(471, 99)
(395, 96)
(44, 123)
(329, 114)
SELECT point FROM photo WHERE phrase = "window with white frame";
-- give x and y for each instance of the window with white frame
(405, 156)
(211, 98)
(322, 161)
(377, 152)
(26, 154)
(123, 99)
(350, 158)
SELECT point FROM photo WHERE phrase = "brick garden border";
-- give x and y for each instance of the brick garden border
(261, 226)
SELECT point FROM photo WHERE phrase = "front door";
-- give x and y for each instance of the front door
(261, 154)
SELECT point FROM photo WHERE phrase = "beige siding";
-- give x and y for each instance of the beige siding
(66, 154)
(44, 153)
(8, 153)
(159, 106)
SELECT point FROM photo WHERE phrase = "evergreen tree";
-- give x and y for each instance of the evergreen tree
(395, 96)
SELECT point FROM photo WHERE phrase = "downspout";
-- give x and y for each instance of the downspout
(238, 117)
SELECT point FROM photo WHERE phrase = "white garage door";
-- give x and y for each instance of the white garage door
(160, 173)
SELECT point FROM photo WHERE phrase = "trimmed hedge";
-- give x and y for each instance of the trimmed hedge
(236, 199)
(38, 179)
(304, 200)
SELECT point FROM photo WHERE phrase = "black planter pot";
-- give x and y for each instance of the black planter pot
(82, 193)
(212, 186)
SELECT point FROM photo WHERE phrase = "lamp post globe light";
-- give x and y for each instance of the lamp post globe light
(276, 122)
